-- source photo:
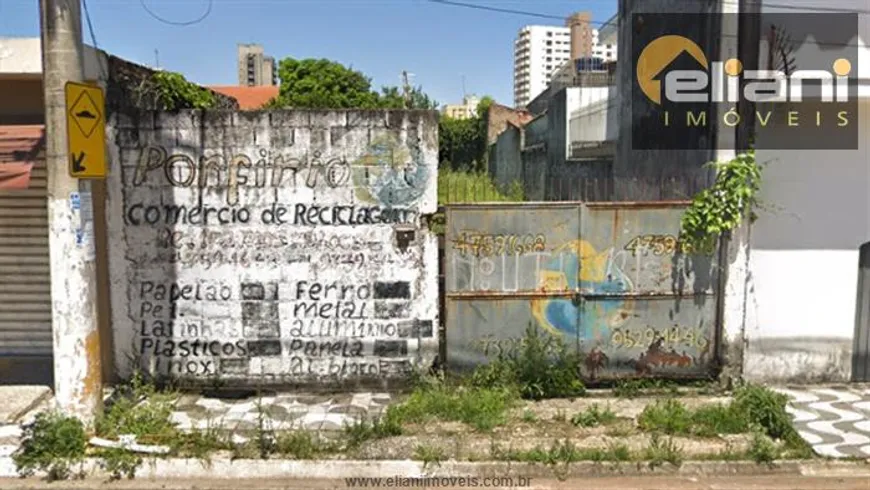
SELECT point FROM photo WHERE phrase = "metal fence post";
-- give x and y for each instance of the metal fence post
(861, 341)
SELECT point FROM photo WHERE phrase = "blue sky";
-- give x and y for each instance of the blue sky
(435, 42)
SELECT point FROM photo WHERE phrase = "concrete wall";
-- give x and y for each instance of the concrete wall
(804, 262)
(596, 120)
(273, 248)
(506, 164)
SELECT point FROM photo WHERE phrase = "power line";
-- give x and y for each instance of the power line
(527, 13)
(176, 23)
(502, 10)
(103, 70)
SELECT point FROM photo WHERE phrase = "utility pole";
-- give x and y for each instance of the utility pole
(77, 375)
(406, 89)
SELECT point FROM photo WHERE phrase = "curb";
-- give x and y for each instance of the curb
(224, 469)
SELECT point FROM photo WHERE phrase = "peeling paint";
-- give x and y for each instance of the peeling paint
(296, 257)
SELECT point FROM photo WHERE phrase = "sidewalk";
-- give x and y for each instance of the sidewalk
(592, 435)
(18, 404)
(835, 420)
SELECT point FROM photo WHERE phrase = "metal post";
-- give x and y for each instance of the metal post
(77, 375)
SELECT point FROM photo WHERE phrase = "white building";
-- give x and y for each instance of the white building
(540, 51)
(466, 110)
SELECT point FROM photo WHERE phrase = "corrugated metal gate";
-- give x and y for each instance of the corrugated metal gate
(25, 291)
(608, 278)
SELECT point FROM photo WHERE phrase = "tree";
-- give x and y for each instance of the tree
(462, 143)
(393, 98)
(325, 84)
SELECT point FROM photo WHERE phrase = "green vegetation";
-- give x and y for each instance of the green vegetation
(660, 451)
(722, 207)
(481, 408)
(562, 452)
(324, 84)
(460, 187)
(594, 416)
(462, 143)
(174, 92)
(755, 409)
(53, 444)
(463, 187)
(542, 367)
(539, 368)
(429, 454)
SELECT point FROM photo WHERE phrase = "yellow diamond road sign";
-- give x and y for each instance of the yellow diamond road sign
(86, 131)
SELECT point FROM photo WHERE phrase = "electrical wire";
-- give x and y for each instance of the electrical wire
(503, 10)
(807, 9)
(176, 23)
(104, 71)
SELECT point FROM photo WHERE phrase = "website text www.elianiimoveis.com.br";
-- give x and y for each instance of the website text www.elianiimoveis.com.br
(440, 482)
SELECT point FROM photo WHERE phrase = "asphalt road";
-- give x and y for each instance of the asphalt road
(766, 482)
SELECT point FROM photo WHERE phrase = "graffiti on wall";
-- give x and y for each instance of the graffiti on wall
(279, 265)
(617, 303)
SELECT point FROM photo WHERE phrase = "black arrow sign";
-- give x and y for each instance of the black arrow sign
(77, 164)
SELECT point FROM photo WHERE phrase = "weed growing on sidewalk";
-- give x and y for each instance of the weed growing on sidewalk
(563, 451)
(762, 449)
(53, 444)
(594, 416)
(388, 425)
(429, 454)
(119, 463)
(542, 367)
(140, 410)
(660, 451)
(755, 409)
(303, 445)
(481, 408)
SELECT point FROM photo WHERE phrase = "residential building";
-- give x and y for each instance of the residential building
(538, 52)
(541, 51)
(466, 110)
(255, 68)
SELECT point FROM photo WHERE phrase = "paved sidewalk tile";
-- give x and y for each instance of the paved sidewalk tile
(834, 421)
(282, 412)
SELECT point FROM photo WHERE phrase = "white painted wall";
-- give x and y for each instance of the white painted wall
(591, 114)
(260, 297)
(804, 261)
(800, 311)
(23, 56)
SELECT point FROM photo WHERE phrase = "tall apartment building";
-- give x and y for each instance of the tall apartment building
(255, 68)
(541, 51)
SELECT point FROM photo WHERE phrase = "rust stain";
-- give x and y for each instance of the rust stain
(614, 233)
(93, 382)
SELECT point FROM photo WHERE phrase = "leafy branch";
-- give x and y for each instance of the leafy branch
(174, 92)
(722, 207)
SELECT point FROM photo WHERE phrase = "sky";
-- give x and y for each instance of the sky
(438, 44)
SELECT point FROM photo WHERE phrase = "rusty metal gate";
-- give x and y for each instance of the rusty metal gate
(609, 279)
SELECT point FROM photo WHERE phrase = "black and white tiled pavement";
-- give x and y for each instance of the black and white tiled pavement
(834, 421)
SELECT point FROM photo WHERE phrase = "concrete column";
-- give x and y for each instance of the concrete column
(77, 376)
